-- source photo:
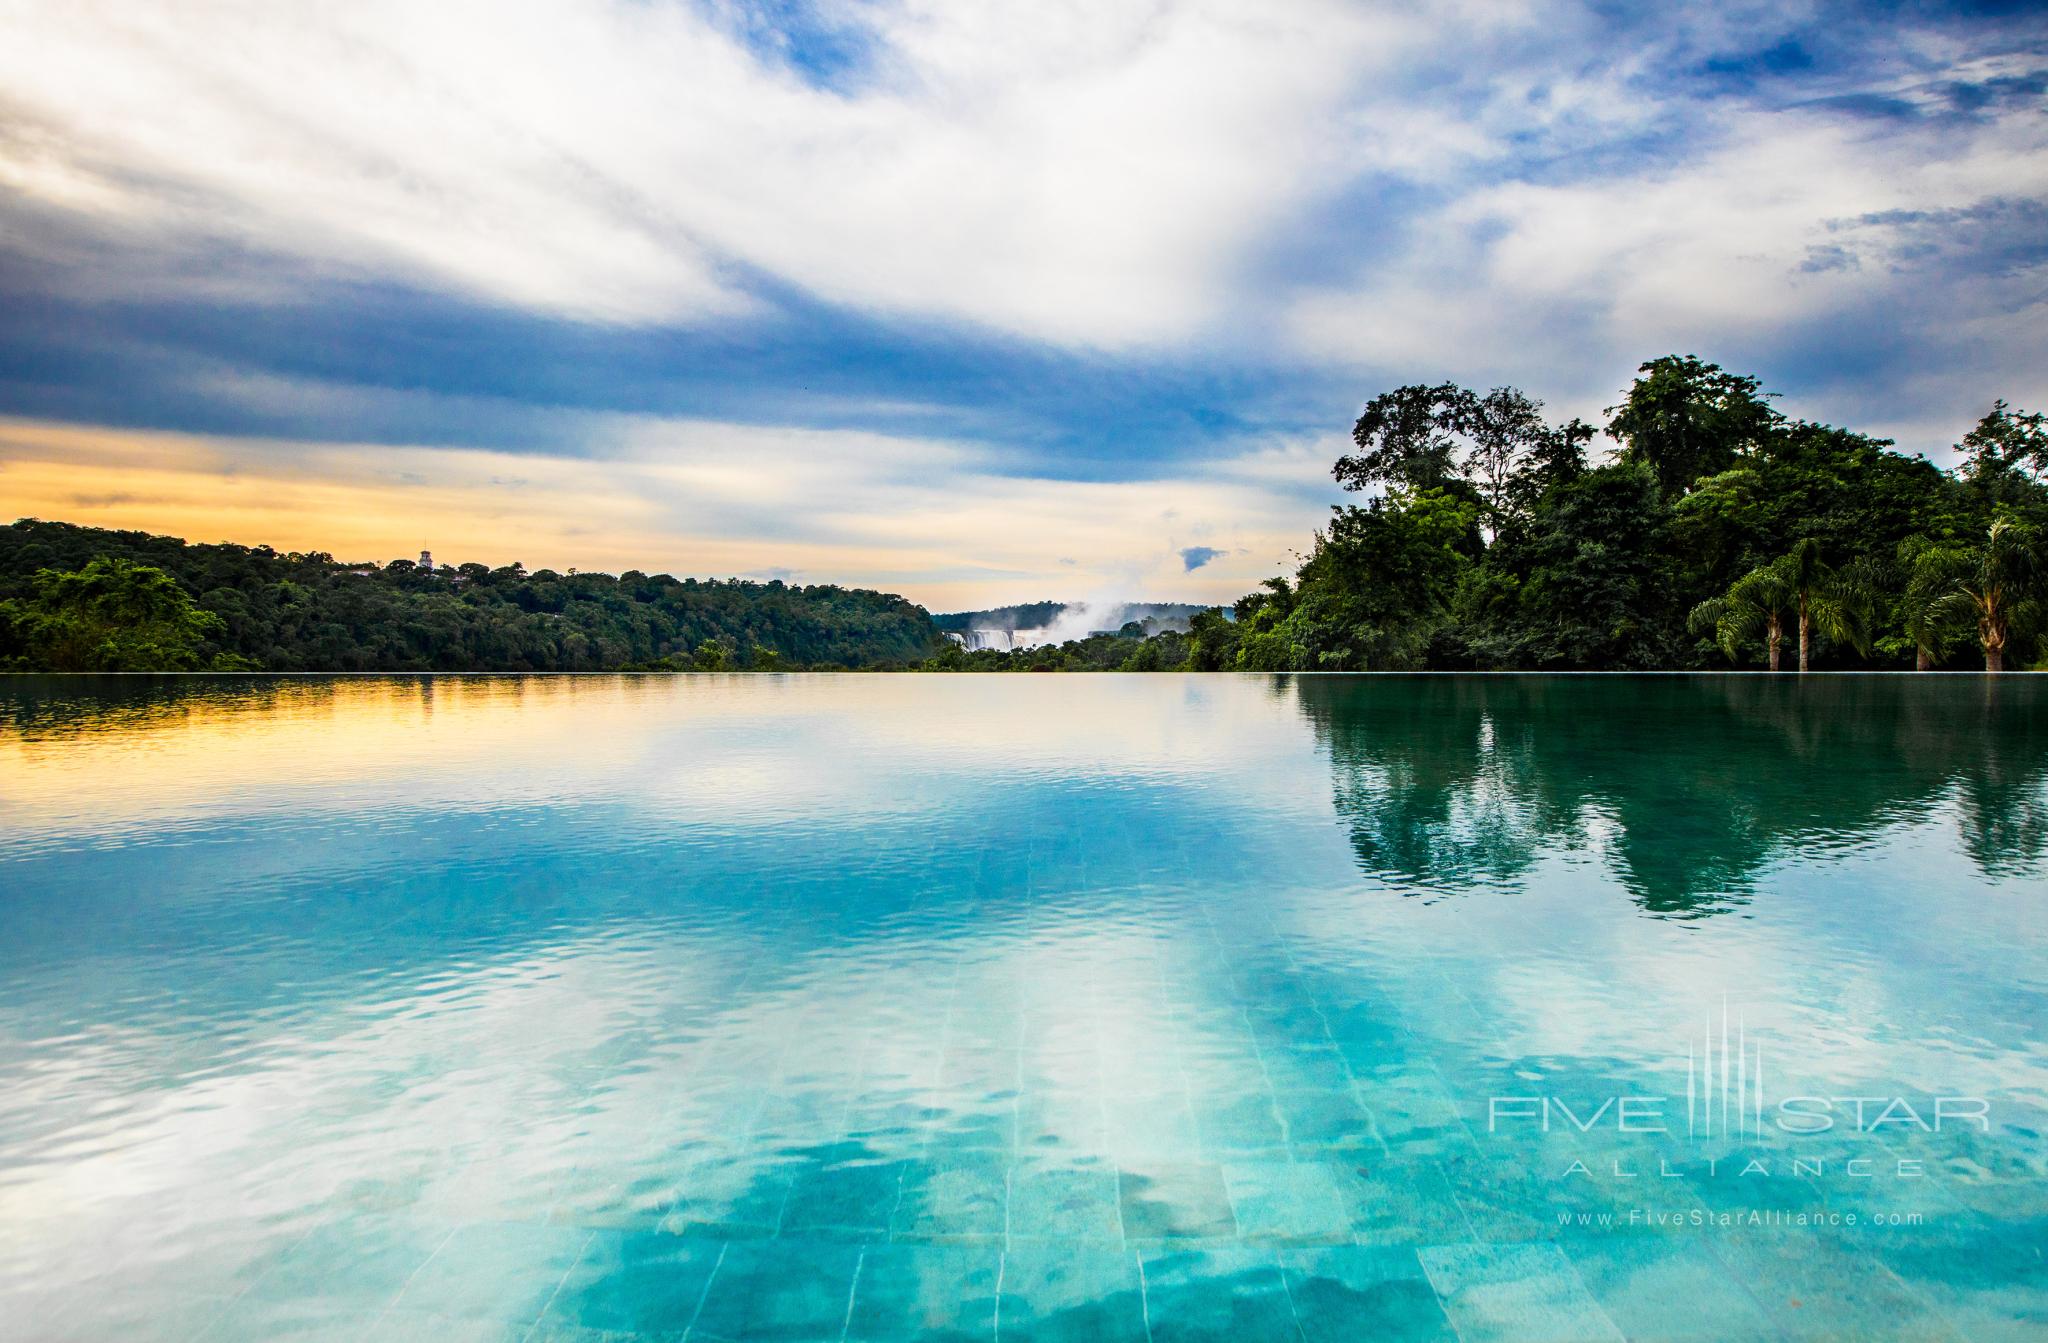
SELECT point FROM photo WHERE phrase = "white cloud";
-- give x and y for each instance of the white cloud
(1566, 284)
(948, 524)
(1078, 172)
(1536, 196)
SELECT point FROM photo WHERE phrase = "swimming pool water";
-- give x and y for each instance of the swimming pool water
(849, 1007)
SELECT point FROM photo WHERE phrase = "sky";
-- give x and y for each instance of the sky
(978, 303)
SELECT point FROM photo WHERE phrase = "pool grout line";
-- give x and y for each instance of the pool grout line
(1144, 1295)
(406, 1286)
(705, 1294)
(1002, 1274)
(852, 1290)
(582, 1250)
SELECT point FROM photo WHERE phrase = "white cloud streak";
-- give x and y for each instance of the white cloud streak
(1767, 241)
(1097, 175)
(1501, 192)
(948, 524)
(1081, 173)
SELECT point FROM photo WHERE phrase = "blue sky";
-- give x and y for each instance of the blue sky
(978, 303)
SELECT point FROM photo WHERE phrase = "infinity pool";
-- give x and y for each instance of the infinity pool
(1120, 1007)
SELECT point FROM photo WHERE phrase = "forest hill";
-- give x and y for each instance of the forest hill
(81, 599)
(1720, 531)
(1720, 534)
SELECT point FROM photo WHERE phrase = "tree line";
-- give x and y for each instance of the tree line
(84, 599)
(1721, 533)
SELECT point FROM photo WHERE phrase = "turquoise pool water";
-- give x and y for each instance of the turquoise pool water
(1024, 1007)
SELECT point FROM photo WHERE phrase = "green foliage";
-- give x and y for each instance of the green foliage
(1372, 593)
(306, 612)
(1997, 585)
(1926, 620)
(1489, 447)
(1162, 652)
(1579, 585)
(110, 616)
(1684, 419)
(1833, 602)
(1719, 530)
(1754, 608)
(2006, 444)
(1407, 437)
(1212, 643)
(1800, 588)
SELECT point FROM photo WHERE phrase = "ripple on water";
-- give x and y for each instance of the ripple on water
(874, 1007)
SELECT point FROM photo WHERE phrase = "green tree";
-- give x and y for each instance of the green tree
(1407, 437)
(1835, 601)
(2006, 443)
(1373, 592)
(1153, 654)
(1756, 604)
(1685, 418)
(1721, 522)
(111, 616)
(1212, 641)
(308, 613)
(1998, 586)
(1928, 620)
(1496, 445)
(1576, 585)
(1800, 584)
(1555, 459)
(951, 658)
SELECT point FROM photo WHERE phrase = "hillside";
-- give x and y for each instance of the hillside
(310, 612)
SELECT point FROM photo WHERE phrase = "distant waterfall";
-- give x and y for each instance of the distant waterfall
(976, 640)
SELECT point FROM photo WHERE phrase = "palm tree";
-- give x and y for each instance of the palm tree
(1935, 572)
(1755, 603)
(1997, 587)
(1836, 602)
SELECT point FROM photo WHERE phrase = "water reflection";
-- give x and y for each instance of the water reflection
(897, 1007)
(1687, 786)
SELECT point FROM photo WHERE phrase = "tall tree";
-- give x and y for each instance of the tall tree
(1492, 445)
(1553, 461)
(1800, 584)
(1409, 436)
(1999, 588)
(1212, 641)
(1578, 584)
(1684, 418)
(1371, 594)
(1833, 600)
(1756, 604)
(2006, 442)
(1506, 430)
(1928, 619)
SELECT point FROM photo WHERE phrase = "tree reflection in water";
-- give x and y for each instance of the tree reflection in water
(1684, 787)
